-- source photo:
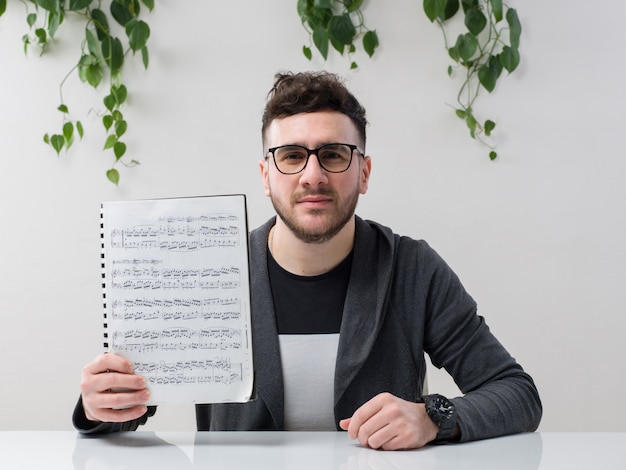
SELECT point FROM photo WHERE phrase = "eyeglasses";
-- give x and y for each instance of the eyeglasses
(292, 159)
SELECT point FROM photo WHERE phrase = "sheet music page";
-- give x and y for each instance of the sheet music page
(177, 295)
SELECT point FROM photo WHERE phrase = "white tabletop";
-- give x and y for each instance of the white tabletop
(68, 450)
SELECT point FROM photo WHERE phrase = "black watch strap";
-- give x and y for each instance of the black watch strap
(442, 412)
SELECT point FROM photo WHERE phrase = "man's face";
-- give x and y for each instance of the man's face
(315, 204)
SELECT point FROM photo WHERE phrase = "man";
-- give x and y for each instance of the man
(343, 309)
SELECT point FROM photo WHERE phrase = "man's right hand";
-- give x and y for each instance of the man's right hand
(111, 392)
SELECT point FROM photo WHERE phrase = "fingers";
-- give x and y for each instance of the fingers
(364, 422)
(109, 362)
(116, 415)
(111, 391)
(390, 423)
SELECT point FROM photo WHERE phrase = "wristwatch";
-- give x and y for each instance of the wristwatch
(442, 412)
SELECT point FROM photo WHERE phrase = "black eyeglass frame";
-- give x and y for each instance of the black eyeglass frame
(310, 152)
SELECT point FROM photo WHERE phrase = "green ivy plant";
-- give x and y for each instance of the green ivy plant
(103, 53)
(338, 23)
(489, 44)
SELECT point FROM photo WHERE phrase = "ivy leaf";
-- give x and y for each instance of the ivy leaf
(493, 155)
(515, 27)
(101, 23)
(145, 57)
(121, 13)
(452, 6)
(149, 4)
(454, 54)
(50, 5)
(110, 142)
(90, 71)
(31, 18)
(113, 176)
(92, 42)
(509, 58)
(57, 141)
(138, 33)
(469, 4)
(471, 123)
(119, 93)
(79, 4)
(42, 36)
(496, 8)
(307, 52)
(475, 21)
(120, 128)
(352, 5)
(109, 102)
(303, 8)
(68, 133)
(434, 8)
(26, 41)
(320, 39)
(95, 74)
(489, 126)
(460, 113)
(327, 4)
(63, 108)
(488, 74)
(79, 128)
(107, 121)
(339, 46)
(466, 45)
(113, 53)
(370, 42)
(3, 6)
(354, 65)
(341, 29)
(54, 21)
(119, 149)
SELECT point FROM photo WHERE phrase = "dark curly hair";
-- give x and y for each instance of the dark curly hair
(307, 92)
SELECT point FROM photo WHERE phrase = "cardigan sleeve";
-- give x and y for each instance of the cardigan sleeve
(84, 426)
(499, 397)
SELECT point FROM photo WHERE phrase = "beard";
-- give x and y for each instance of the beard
(335, 218)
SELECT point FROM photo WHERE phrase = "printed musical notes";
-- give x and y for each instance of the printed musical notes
(179, 234)
(176, 295)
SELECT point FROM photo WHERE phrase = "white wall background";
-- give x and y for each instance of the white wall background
(537, 236)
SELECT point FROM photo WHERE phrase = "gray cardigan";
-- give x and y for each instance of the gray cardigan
(402, 301)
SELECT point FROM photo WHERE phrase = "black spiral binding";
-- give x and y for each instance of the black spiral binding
(102, 265)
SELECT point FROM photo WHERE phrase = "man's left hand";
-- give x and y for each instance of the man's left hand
(390, 423)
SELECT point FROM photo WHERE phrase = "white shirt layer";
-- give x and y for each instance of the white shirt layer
(308, 363)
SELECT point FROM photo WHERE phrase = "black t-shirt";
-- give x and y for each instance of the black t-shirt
(309, 304)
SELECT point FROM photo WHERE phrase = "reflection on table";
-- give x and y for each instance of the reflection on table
(302, 451)
(294, 450)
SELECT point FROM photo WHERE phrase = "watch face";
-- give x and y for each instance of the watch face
(441, 411)
(443, 406)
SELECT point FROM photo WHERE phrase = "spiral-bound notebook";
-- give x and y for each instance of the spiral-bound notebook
(177, 297)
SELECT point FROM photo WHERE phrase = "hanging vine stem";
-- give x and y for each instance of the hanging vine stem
(332, 22)
(484, 53)
(66, 139)
(328, 22)
(102, 53)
